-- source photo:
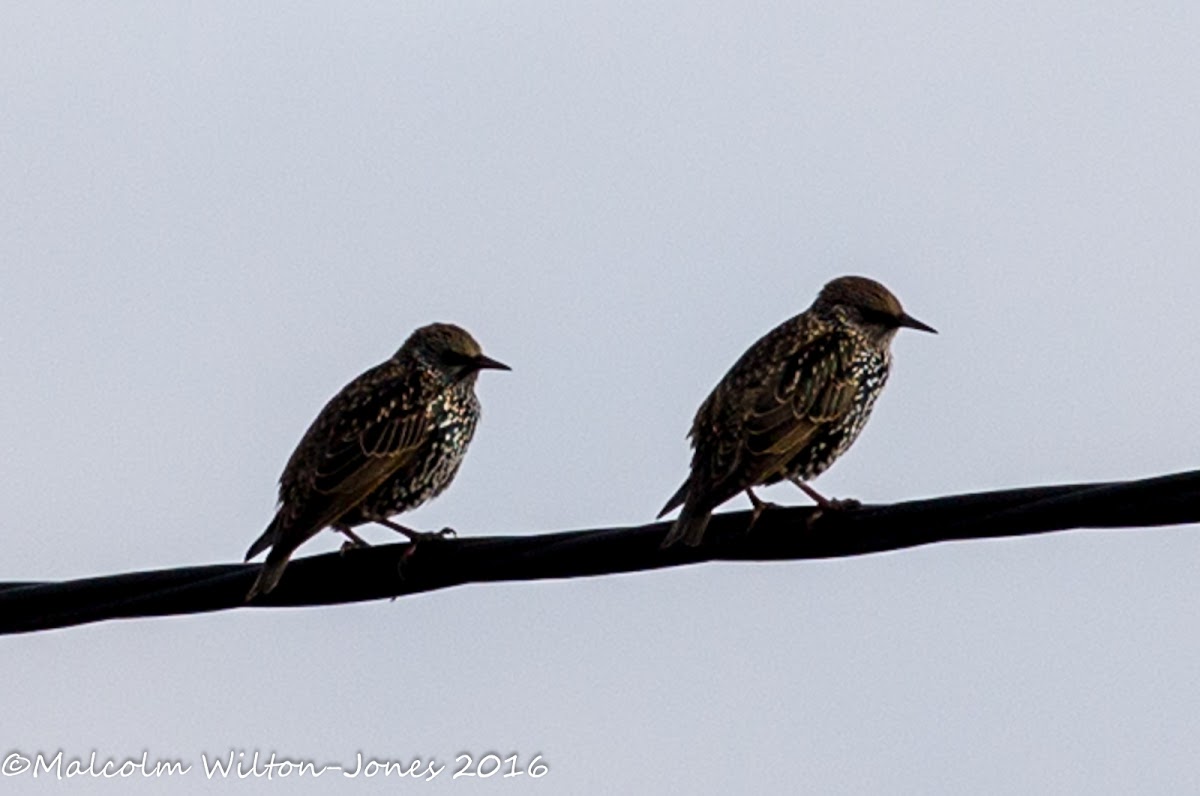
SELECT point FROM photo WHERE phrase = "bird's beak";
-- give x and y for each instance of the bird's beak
(913, 323)
(487, 363)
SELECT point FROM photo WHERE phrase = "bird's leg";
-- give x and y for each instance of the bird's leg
(823, 503)
(353, 540)
(760, 506)
(415, 536)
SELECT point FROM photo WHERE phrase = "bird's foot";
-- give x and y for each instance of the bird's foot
(830, 504)
(353, 540)
(415, 536)
(759, 507)
(824, 503)
(444, 533)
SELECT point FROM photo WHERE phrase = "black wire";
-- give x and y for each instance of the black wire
(780, 534)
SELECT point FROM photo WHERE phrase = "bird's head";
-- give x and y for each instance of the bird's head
(450, 349)
(868, 305)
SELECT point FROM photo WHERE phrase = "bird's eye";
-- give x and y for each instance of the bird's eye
(459, 361)
(878, 317)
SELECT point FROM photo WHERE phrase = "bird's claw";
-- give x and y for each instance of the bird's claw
(757, 511)
(427, 536)
(423, 536)
(831, 504)
(352, 543)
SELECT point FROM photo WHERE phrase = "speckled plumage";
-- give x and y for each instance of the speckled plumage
(390, 440)
(793, 403)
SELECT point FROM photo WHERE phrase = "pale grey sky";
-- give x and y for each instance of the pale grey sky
(214, 215)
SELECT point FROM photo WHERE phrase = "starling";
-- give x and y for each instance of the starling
(390, 440)
(793, 403)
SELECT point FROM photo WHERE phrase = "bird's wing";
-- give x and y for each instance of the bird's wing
(374, 428)
(368, 448)
(768, 407)
(814, 387)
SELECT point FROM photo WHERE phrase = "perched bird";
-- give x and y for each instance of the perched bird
(390, 440)
(793, 403)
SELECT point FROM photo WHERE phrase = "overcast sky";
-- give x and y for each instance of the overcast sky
(216, 214)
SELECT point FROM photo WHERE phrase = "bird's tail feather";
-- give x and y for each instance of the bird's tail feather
(677, 499)
(271, 572)
(689, 526)
(266, 540)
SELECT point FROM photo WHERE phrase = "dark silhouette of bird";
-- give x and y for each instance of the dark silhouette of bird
(389, 441)
(792, 404)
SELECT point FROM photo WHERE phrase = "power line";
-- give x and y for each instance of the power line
(782, 533)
